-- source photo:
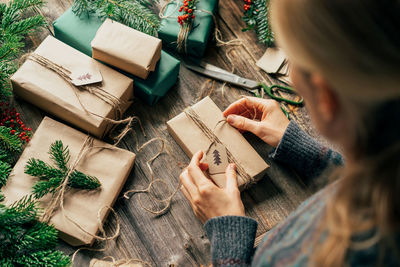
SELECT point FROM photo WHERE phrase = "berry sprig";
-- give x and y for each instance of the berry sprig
(11, 118)
(249, 14)
(247, 5)
(188, 8)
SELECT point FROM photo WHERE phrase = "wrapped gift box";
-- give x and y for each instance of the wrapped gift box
(111, 165)
(79, 32)
(191, 139)
(102, 263)
(201, 30)
(126, 48)
(48, 90)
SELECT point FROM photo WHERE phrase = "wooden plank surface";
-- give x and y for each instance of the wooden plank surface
(177, 237)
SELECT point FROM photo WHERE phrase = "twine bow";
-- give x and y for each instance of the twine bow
(94, 89)
(191, 114)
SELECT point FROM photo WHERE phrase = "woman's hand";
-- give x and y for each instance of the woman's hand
(262, 117)
(207, 199)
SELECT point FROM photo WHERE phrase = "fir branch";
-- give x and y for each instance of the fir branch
(40, 169)
(21, 212)
(136, 14)
(5, 170)
(9, 141)
(257, 18)
(59, 155)
(24, 5)
(80, 180)
(24, 241)
(263, 28)
(44, 258)
(42, 188)
(17, 19)
(51, 178)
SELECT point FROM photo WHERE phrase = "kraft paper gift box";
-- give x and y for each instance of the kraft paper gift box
(192, 139)
(101, 263)
(125, 48)
(79, 32)
(201, 30)
(111, 166)
(52, 93)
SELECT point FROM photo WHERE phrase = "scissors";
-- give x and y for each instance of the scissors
(247, 84)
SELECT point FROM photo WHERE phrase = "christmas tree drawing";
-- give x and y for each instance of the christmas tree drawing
(217, 157)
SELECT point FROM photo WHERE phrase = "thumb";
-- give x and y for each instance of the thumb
(231, 177)
(243, 123)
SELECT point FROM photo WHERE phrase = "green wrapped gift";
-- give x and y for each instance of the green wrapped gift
(78, 32)
(201, 30)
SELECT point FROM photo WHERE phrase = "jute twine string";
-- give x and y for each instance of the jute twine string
(93, 89)
(57, 201)
(191, 114)
(166, 201)
(117, 263)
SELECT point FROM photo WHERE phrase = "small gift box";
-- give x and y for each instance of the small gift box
(109, 164)
(201, 29)
(50, 79)
(124, 263)
(78, 32)
(126, 48)
(202, 127)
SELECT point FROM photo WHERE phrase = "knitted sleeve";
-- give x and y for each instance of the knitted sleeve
(232, 240)
(305, 155)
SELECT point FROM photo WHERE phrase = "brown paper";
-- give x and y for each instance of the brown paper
(192, 139)
(272, 60)
(125, 48)
(49, 91)
(111, 166)
(217, 160)
(100, 263)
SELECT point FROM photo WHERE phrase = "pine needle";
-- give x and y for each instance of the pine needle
(137, 14)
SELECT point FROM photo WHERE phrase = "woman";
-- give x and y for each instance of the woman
(345, 58)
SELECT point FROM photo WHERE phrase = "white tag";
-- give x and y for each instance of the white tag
(217, 160)
(85, 75)
(272, 60)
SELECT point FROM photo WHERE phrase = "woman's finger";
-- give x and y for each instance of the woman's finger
(195, 172)
(244, 124)
(236, 107)
(250, 107)
(231, 177)
(188, 184)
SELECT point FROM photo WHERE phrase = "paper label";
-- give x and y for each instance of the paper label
(86, 75)
(217, 159)
(272, 60)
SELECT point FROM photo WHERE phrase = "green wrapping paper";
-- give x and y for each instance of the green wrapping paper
(78, 32)
(201, 29)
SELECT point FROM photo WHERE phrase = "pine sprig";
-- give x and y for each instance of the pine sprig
(51, 178)
(9, 141)
(256, 16)
(60, 155)
(5, 170)
(17, 19)
(136, 14)
(24, 241)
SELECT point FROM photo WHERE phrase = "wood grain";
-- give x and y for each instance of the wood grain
(177, 238)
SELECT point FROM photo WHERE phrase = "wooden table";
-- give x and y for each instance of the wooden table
(177, 238)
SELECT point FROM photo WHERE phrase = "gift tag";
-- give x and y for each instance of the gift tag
(85, 75)
(217, 160)
(272, 60)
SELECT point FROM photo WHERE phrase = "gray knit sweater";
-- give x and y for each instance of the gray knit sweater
(291, 242)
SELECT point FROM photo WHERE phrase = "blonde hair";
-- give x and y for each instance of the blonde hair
(355, 46)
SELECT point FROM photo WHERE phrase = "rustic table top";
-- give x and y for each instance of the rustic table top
(177, 238)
